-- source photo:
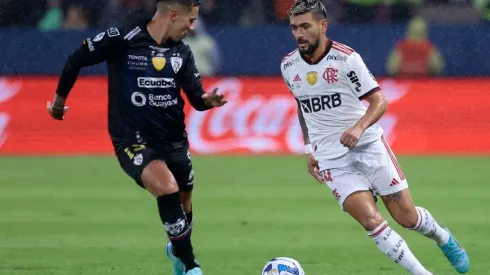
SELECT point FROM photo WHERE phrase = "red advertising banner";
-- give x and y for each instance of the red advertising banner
(425, 116)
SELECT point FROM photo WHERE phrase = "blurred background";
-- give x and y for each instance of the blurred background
(63, 195)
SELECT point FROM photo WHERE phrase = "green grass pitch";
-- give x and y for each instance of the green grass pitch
(83, 215)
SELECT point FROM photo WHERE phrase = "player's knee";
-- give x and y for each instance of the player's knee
(158, 179)
(371, 221)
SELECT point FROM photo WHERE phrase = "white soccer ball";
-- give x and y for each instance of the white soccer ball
(283, 266)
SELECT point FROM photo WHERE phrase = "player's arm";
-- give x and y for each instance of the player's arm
(311, 162)
(365, 87)
(192, 86)
(302, 123)
(91, 52)
(377, 107)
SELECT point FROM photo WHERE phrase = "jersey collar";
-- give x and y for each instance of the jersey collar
(316, 61)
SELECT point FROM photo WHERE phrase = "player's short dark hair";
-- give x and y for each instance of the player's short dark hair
(185, 3)
(316, 7)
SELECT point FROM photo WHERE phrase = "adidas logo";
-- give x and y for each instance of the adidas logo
(297, 78)
(394, 182)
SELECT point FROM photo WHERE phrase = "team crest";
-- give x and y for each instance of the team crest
(176, 63)
(159, 62)
(312, 77)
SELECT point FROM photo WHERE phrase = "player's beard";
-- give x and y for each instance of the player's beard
(310, 49)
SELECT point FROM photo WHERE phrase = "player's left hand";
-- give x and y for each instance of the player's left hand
(57, 110)
(351, 137)
(213, 99)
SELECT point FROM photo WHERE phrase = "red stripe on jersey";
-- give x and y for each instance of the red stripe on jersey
(289, 54)
(344, 46)
(379, 231)
(350, 51)
(344, 49)
(393, 159)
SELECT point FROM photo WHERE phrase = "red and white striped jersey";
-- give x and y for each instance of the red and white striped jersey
(330, 91)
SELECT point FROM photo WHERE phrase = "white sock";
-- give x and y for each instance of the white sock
(395, 247)
(427, 226)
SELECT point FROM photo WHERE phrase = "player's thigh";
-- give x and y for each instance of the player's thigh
(157, 178)
(133, 158)
(390, 183)
(382, 168)
(142, 164)
(353, 192)
(343, 182)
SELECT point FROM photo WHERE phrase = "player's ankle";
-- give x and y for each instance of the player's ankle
(191, 265)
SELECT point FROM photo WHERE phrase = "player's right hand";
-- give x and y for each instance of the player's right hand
(313, 167)
(57, 111)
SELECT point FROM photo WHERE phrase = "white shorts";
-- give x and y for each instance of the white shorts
(370, 167)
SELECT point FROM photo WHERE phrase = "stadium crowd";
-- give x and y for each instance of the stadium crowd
(413, 55)
(80, 14)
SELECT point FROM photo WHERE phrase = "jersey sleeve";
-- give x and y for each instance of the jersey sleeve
(191, 83)
(285, 78)
(102, 47)
(360, 80)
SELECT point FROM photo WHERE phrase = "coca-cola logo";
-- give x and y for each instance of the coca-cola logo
(7, 91)
(258, 121)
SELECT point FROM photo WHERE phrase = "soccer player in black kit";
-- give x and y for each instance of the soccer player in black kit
(148, 65)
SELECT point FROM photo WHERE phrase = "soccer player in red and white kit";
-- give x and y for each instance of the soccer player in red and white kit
(344, 145)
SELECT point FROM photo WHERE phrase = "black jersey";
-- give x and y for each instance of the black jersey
(145, 81)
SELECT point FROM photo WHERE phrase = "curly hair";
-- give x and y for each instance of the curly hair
(305, 6)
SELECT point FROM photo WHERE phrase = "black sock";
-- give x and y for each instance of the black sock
(189, 222)
(178, 231)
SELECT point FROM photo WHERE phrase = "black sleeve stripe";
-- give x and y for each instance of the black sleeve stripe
(374, 90)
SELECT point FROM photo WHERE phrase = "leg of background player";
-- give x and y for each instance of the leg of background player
(362, 207)
(401, 207)
(159, 181)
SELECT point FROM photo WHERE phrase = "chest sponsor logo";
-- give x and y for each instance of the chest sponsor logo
(336, 57)
(321, 103)
(161, 101)
(138, 57)
(290, 63)
(155, 82)
(137, 62)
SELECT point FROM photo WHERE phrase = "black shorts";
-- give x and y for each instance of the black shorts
(134, 158)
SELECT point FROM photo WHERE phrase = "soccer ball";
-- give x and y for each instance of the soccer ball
(283, 266)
